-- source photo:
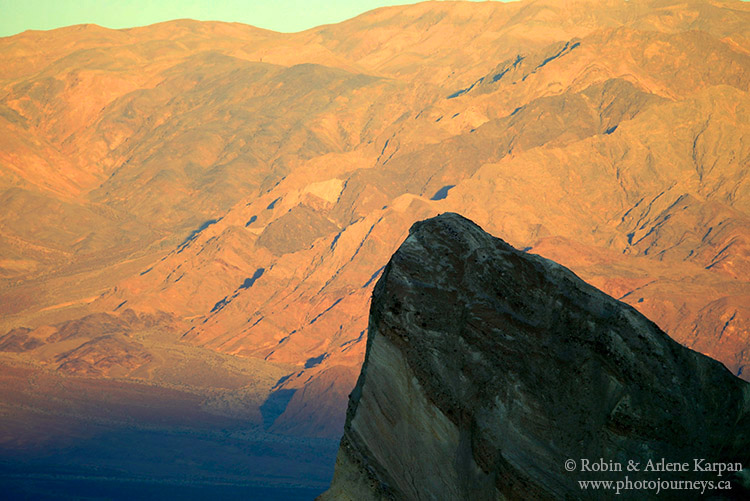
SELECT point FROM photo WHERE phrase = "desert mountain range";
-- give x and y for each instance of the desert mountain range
(204, 207)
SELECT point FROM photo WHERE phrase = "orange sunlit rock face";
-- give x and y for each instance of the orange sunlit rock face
(206, 207)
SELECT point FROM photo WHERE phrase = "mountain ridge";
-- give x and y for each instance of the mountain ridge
(612, 139)
(487, 369)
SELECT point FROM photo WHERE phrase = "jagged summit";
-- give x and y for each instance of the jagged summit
(487, 368)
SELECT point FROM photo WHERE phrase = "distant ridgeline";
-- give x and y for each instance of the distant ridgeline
(194, 215)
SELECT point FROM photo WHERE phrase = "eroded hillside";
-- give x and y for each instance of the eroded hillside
(207, 198)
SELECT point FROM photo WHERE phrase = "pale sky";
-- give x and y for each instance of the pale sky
(278, 15)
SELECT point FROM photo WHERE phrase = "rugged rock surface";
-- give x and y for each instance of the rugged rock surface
(487, 368)
(251, 185)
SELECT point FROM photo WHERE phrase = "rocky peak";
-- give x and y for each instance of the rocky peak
(487, 368)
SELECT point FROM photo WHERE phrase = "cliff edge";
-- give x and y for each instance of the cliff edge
(495, 374)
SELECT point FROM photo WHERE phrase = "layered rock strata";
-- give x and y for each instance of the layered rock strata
(488, 368)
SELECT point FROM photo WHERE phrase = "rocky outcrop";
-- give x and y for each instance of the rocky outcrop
(488, 368)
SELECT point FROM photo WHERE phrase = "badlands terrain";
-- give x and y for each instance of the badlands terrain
(194, 214)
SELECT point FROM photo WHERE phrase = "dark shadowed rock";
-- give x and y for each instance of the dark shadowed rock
(487, 368)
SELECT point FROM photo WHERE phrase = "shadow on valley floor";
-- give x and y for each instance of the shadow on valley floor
(100, 439)
(65, 489)
(171, 464)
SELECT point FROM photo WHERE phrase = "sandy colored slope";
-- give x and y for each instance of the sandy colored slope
(246, 187)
